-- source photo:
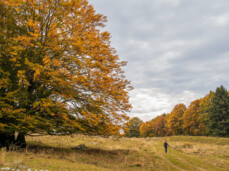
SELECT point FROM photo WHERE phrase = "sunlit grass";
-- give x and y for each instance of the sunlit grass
(55, 153)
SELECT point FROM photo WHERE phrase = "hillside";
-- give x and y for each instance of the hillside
(55, 153)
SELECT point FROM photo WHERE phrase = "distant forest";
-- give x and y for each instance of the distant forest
(208, 116)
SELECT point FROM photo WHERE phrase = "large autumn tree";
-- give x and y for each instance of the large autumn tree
(58, 71)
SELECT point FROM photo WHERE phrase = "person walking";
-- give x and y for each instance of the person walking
(166, 146)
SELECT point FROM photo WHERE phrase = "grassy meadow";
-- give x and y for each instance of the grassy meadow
(55, 153)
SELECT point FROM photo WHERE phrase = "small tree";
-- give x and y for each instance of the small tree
(175, 119)
(160, 125)
(192, 119)
(134, 127)
(147, 129)
(205, 107)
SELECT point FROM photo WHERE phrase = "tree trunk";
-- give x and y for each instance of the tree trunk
(20, 141)
(3, 139)
(6, 139)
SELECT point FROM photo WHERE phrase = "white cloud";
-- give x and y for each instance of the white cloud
(176, 50)
(149, 103)
(221, 20)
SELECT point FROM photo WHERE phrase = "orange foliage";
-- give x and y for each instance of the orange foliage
(175, 119)
(191, 119)
(63, 65)
(146, 129)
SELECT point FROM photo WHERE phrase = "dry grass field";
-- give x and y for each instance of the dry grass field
(55, 153)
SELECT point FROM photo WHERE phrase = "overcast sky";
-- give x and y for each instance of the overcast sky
(177, 50)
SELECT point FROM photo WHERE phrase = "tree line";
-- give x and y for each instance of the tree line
(207, 116)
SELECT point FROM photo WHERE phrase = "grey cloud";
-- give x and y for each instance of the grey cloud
(176, 46)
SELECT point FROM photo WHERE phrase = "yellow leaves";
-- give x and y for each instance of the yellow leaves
(27, 62)
(25, 41)
(48, 107)
(4, 82)
(56, 62)
(46, 60)
(80, 79)
(30, 23)
(38, 69)
(35, 35)
(175, 120)
(14, 54)
(61, 51)
(2, 126)
(22, 78)
(20, 73)
(146, 129)
(52, 114)
(191, 118)
(37, 73)
(13, 3)
(105, 35)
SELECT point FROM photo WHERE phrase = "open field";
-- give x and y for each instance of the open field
(55, 153)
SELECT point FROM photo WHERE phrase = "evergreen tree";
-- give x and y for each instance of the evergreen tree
(219, 113)
(134, 127)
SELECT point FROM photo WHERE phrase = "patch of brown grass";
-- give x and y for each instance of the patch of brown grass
(202, 149)
(56, 153)
(2, 156)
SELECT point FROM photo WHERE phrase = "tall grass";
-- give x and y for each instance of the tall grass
(55, 153)
(3, 156)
